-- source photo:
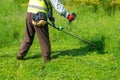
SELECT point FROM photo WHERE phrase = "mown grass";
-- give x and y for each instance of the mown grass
(67, 64)
(71, 58)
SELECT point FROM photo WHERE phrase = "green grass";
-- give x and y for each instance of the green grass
(71, 58)
(68, 63)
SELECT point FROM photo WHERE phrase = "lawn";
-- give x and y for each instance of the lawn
(72, 59)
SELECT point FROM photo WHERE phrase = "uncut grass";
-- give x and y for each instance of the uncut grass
(12, 21)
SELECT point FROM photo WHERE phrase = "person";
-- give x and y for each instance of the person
(35, 6)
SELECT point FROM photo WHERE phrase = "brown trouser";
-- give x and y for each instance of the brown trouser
(43, 36)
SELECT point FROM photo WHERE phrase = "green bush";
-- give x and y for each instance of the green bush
(109, 6)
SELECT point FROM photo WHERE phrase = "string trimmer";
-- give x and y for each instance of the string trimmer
(63, 30)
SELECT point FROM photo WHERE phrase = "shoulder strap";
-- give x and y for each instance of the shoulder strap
(50, 12)
(46, 4)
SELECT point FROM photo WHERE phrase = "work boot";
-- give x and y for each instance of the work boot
(46, 60)
(20, 56)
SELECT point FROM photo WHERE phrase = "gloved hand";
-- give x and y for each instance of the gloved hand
(39, 19)
(71, 17)
(52, 19)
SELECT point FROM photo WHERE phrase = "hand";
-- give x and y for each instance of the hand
(71, 17)
(52, 19)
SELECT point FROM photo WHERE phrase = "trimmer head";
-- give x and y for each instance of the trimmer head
(98, 46)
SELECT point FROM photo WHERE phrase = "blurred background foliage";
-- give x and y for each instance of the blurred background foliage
(109, 6)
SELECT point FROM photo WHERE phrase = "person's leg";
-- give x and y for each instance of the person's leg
(28, 38)
(43, 36)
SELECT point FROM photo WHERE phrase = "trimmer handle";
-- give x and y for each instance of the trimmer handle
(74, 14)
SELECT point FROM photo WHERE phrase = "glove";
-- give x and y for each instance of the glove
(71, 17)
(52, 19)
(40, 23)
(39, 19)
